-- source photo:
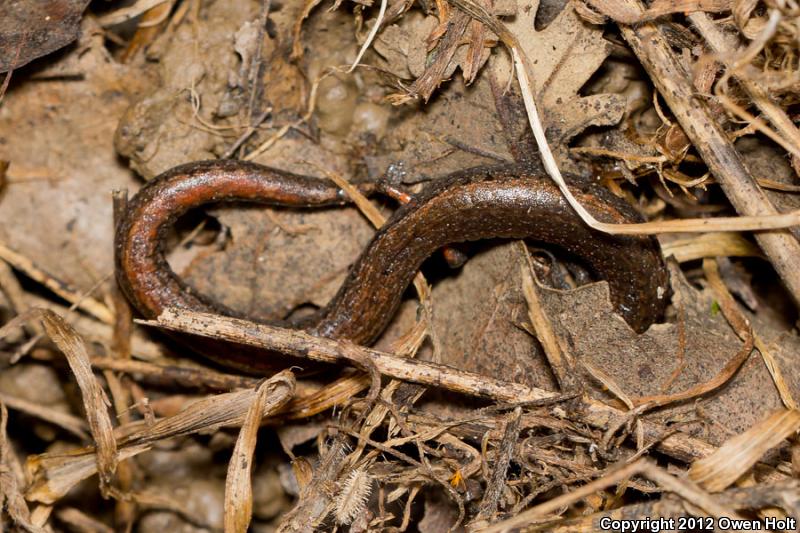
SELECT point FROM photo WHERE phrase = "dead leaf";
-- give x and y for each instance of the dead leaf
(564, 56)
(34, 28)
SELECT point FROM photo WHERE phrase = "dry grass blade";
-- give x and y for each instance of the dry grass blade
(362, 202)
(11, 288)
(767, 183)
(30, 269)
(337, 392)
(70, 423)
(710, 245)
(214, 412)
(297, 39)
(11, 476)
(55, 474)
(95, 401)
(609, 383)
(80, 521)
(561, 362)
(150, 26)
(777, 374)
(734, 458)
(238, 486)
(633, 413)
(183, 376)
(127, 13)
(371, 37)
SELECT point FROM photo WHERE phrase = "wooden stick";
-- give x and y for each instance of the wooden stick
(300, 344)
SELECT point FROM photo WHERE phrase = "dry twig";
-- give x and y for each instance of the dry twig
(301, 344)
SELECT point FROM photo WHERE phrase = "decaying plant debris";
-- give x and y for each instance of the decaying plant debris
(506, 397)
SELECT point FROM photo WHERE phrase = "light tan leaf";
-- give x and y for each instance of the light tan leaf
(563, 57)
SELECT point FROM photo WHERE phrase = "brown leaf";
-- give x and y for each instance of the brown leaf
(55, 207)
(33, 28)
(563, 57)
(53, 475)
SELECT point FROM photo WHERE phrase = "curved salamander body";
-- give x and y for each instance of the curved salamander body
(469, 205)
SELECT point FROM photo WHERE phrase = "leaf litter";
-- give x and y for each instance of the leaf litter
(542, 414)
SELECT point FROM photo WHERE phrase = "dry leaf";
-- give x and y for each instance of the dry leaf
(33, 28)
(563, 57)
(54, 475)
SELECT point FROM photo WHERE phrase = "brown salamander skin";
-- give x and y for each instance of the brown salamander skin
(469, 205)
